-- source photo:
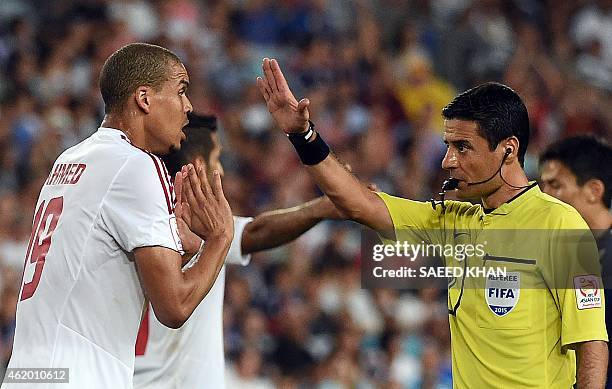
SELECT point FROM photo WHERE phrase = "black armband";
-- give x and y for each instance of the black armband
(311, 148)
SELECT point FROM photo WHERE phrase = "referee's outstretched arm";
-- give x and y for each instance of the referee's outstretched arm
(353, 199)
(592, 364)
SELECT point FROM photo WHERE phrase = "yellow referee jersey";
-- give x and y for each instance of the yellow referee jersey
(515, 331)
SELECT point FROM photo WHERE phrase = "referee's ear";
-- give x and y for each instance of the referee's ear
(510, 149)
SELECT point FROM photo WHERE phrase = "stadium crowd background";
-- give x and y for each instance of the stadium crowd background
(377, 73)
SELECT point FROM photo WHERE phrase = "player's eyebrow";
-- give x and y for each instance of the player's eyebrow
(184, 82)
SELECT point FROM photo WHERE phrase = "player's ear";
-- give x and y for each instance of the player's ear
(143, 98)
(594, 190)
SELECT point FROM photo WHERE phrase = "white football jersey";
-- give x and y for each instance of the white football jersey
(81, 302)
(191, 356)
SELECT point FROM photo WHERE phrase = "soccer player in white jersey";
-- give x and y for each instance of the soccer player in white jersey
(104, 234)
(193, 356)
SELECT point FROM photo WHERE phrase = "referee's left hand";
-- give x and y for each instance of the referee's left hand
(290, 116)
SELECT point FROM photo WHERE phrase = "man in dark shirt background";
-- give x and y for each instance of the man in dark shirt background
(578, 171)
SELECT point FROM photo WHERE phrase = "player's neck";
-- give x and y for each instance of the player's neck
(598, 218)
(130, 125)
(505, 192)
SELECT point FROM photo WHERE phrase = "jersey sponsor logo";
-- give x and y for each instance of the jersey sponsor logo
(502, 293)
(588, 294)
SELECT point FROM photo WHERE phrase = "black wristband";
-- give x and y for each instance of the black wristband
(303, 137)
(311, 152)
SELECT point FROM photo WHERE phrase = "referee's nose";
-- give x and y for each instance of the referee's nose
(449, 162)
(187, 106)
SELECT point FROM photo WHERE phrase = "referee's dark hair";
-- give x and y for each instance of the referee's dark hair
(199, 142)
(587, 158)
(497, 109)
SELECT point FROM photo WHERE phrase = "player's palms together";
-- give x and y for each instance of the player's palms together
(290, 115)
(206, 212)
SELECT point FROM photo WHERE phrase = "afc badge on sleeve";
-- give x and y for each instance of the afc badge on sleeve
(588, 294)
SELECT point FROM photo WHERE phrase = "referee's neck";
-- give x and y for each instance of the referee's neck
(515, 176)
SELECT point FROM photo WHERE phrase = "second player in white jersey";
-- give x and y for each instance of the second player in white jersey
(193, 354)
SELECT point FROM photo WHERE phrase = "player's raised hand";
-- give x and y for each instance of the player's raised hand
(290, 116)
(211, 216)
(189, 240)
(182, 209)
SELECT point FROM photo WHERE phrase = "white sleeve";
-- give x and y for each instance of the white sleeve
(138, 209)
(234, 256)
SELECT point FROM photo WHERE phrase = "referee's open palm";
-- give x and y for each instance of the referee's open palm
(290, 116)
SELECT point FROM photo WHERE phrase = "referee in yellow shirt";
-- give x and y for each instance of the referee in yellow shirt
(515, 333)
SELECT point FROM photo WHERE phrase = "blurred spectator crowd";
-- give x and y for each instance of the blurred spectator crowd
(377, 73)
